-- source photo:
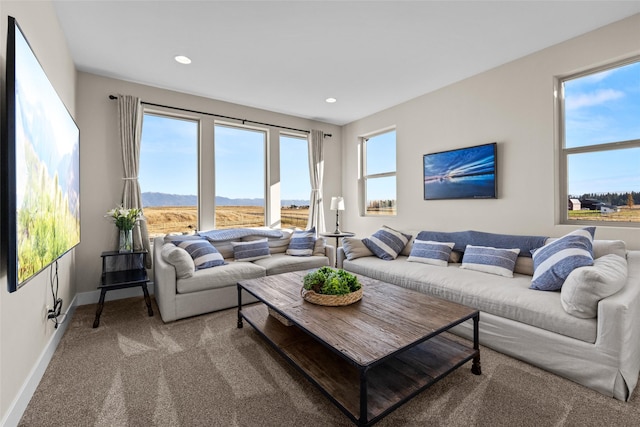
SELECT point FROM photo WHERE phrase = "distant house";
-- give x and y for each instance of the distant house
(591, 204)
(574, 205)
(605, 209)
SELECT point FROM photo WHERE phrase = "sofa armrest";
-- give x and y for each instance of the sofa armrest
(164, 283)
(330, 252)
(619, 323)
(340, 257)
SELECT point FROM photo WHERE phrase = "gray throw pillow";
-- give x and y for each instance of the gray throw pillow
(179, 258)
(354, 248)
(586, 286)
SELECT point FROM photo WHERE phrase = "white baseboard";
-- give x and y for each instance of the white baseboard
(19, 405)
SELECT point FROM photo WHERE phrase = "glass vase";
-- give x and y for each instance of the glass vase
(126, 241)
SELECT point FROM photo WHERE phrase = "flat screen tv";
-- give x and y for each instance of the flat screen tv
(464, 173)
(40, 167)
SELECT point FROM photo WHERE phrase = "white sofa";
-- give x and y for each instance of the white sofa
(602, 353)
(215, 288)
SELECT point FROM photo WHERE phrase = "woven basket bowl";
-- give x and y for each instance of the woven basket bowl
(331, 300)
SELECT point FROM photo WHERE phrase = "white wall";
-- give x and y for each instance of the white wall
(101, 159)
(513, 105)
(24, 330)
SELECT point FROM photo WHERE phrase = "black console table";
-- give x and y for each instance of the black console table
(122, 270)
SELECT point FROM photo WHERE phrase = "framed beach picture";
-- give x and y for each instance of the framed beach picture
(464, 173)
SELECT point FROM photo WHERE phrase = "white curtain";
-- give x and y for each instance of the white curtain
(316, 174)
(130, 124)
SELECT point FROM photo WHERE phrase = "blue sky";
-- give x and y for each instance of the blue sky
(169, 153)
(381, 158)
(603, 108)
(599, 108)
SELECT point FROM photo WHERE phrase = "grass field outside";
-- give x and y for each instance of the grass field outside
(626, 214)
(184, 219)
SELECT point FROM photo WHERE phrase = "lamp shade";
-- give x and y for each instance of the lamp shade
(337, 203)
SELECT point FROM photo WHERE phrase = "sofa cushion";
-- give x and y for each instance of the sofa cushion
(277, 245)
(604, 247)
(250, 251)
(553, 262)
(203, 253)
(282, 263)
(319, 249)
(354, 248)
(524, 265)
(302, 242)
(501, 296)
(223, 276)
(490, 260)
(586, 286)
(430, 252)
(386, 243)
(179, 258)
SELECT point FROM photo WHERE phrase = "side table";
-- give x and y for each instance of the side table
(338, 236)
(122, 270)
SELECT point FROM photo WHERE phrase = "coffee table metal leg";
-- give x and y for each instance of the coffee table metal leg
(475, 365)
(239, 307)
(363, 397)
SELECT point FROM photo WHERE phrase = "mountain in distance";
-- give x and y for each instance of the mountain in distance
(151, 199)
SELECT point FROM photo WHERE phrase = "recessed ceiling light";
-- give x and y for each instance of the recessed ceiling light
(182, 59)
(330, 100)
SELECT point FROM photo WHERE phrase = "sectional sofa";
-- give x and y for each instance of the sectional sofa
(188, 281)
(588, 330)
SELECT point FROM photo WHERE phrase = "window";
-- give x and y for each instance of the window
(600, 153)
(379, 173)
(295, 186)
(239, 176)
(168, 174)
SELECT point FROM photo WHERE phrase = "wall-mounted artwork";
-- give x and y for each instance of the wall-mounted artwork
(465, 173)
(40, 167)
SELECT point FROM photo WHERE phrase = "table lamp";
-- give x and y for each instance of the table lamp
(337, 204)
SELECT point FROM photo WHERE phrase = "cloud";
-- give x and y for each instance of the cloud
(591, 99)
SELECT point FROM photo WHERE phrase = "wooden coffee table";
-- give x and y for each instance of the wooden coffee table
(370, 357)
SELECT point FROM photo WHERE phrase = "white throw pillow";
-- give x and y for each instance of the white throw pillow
(586, 286)
(251, 251)
(491, 260)
(180, 259)
(430, 252)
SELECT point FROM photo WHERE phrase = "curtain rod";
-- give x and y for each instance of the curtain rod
(223, 117)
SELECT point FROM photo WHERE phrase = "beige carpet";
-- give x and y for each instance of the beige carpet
(135, 370)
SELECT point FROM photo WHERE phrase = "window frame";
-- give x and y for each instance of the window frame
(364, 177)
(564, 153)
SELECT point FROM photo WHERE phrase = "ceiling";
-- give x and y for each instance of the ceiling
(289, 56)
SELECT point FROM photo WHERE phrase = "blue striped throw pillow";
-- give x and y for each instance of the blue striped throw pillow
(386, 243)
(251, 251)
(490, 260)
(553, 262)
(302, 243)
(203, 253)
(430, 252)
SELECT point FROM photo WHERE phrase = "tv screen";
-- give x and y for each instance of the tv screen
(465, 173)
(40, 165)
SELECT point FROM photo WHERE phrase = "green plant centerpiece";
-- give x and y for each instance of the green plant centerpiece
(333, 287)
